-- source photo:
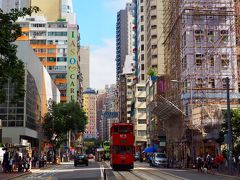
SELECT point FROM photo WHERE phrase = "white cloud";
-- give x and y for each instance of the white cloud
(103, 64)
(115, 5)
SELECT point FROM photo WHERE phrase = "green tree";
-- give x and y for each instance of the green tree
(60, 119)
(235, 119)
(11, 68)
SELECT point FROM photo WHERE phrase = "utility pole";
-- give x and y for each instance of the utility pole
(230, 145)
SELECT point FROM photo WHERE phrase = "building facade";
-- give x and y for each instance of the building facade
(52, 45)
(200, 53)
(89, 106)
(22, 121)
(84, 66)
(101, 101)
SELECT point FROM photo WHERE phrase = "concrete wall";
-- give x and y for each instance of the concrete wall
(51, 9)
(84, 66)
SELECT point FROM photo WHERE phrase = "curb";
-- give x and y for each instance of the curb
(223, 175)
(20, 175)
(27, 173)
(227, 176)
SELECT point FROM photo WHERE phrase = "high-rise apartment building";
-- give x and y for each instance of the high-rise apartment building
(84, 66)
(108, 113)
(89, 106)
(7, 5)
(101, 102)
(124, 36)
(51, 42)
(55, 39)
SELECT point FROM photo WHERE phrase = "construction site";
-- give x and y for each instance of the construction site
(200, 53)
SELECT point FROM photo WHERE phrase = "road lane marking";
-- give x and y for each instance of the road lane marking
(102, 171)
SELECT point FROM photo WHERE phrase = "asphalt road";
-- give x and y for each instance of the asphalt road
(96, 170)
(67, 171)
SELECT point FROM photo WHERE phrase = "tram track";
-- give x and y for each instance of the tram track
(169, 176)
(125, 175)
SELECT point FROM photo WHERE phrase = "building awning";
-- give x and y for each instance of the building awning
(164, 108)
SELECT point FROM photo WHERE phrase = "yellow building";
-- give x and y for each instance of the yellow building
(51, 9)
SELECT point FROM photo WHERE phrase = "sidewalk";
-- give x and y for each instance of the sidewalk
(217, 174)
(8, 176)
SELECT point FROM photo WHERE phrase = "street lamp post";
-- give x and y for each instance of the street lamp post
(229, 139)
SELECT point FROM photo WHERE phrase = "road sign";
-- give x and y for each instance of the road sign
(110, 114)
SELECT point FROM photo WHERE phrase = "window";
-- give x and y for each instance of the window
(154, 27)
(224, 83)
(141, 8)
(142, 19)
(141, 133)
(61, 59)
(38, 25)
(224, 60)
(211, 36)
(142, 47)
(212, 61)
(184, 63)
(142, 28)
(154, 56)
(142, 121)
(57, 33)
(184, 39)
(142, 57)
(141, 99)
(153, 7)
(154, 46)
(142, 77)
(140, 89)
(142, 37)
(224, 35)
(51, 59)
(199, 59)
(154, 36)
(51, 51)
(198, 36)
(199, 83)
(153, 17)
(141, 110)
(211, 83)
(142, 67)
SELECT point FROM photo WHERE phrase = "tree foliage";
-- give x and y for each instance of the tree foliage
(11, 68)
(235, 120)
(62, 118)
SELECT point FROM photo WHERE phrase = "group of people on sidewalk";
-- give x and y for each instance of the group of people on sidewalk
(15, 162)
(18, 162)
(210, 163)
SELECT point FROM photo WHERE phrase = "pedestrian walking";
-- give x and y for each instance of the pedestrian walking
(11, 164)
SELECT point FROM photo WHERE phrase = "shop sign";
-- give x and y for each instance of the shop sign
(72, 65)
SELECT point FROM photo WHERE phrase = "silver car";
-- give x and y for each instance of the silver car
(159, 159)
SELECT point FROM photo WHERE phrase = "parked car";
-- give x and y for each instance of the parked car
(159, 159)
(80, 159)
(137, 156)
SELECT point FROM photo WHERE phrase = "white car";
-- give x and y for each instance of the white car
(159, 159)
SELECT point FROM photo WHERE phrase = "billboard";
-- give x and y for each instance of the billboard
(72, 64)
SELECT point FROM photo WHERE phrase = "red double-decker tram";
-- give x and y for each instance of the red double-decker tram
(122, 146)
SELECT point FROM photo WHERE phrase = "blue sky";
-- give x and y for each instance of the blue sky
(97, 23)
